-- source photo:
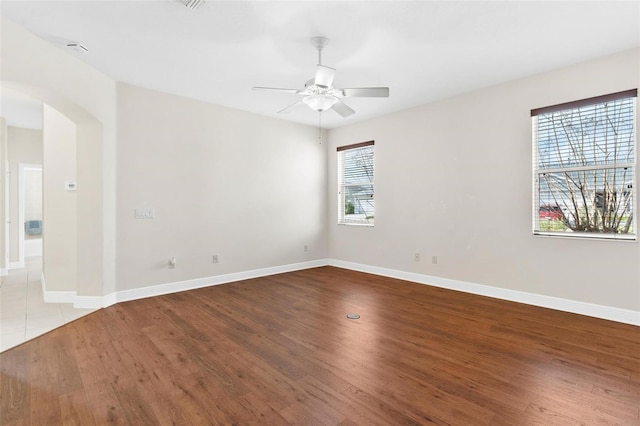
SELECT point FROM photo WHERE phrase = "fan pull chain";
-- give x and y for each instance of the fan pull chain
(320, 127)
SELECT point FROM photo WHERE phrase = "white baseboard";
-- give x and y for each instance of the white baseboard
(109, 299)
(81, 302)
(158, 290)
(95, 302)
(88, 302)
(56, 296)
(589, 309)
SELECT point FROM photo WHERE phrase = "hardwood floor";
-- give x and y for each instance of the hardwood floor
(279, 350)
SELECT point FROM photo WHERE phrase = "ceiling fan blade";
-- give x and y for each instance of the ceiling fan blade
(275, 89)
(324, 76)
(367, 92)
(343, 109)
(287, 110)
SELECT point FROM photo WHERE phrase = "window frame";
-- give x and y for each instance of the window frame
(539, 170)
(342, 220)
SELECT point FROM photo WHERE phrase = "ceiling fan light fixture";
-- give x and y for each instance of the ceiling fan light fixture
(320, 102)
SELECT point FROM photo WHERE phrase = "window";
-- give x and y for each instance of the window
(584, 167)
(356, 203)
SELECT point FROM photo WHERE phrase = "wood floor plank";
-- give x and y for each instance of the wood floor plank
(218, 409)
(262, 412)
(387, 413)
(534, 417)
(14, 386)
(135, 403)
(105, 406)
(44, 406)
(76, 409)
(279, 350)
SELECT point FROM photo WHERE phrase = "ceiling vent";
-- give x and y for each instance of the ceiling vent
(77, 47)
(191, 4)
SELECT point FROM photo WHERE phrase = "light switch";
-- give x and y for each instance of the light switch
(145, 213)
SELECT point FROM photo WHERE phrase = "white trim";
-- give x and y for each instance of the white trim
(16, 265)
(21, 196)
(581, 168)
(158, 290)
(589, 309)
(7, 215)
(81, 302)
(87, 302)
(56, 296)
(108, 300)
(22, 167)
(95, 302)
(583, 308)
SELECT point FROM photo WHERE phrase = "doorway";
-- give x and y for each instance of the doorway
(30, 210)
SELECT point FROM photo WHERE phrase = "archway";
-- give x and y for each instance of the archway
(77, 276)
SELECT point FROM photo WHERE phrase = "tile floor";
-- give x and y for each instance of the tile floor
(23, 313)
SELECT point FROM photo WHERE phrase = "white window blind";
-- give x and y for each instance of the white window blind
(356, 201)
(584, 167)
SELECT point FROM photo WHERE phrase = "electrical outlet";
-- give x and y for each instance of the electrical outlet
(434, 259)
(306, 247)
(172, 263)
(214, 258)
(416, 257)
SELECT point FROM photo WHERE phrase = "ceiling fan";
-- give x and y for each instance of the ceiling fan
(319, 93)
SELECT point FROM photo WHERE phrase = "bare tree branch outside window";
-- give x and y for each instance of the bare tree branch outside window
(585, 169)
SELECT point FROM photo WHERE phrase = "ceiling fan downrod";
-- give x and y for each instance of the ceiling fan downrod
(319, 43)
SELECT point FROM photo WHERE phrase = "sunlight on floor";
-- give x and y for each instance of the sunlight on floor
(23, 312)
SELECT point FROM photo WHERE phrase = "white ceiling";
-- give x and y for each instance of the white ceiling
(421, 50)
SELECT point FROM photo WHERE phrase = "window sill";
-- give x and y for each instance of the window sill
(586, 236)
(369, 225)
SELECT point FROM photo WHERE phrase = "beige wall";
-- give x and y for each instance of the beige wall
(59, 213)
(249, 189)
(453, 180)
(3, 219)
(88, 97)
(23, 146)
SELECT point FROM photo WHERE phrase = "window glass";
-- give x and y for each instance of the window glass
(584, 167)
(356, 201)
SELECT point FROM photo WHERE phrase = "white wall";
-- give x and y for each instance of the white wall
(59, 212)
(453, 180)
(249, 189)
(23, 146)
